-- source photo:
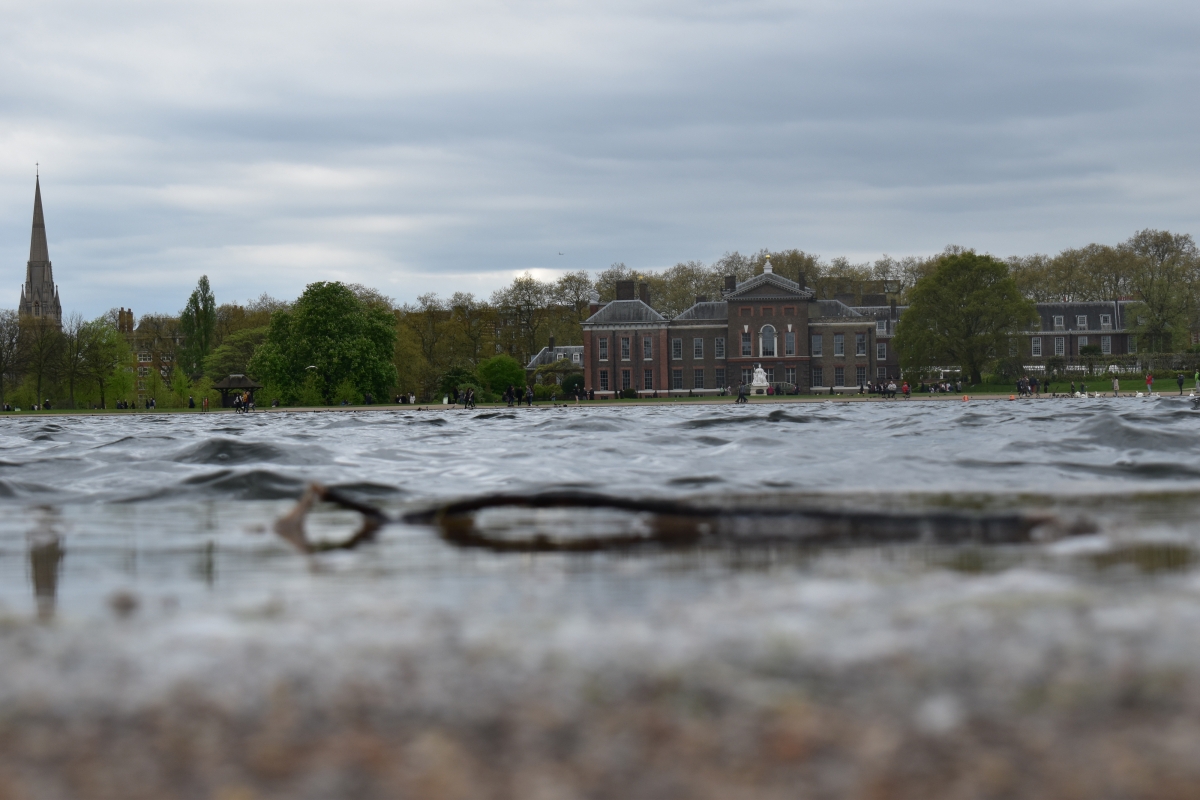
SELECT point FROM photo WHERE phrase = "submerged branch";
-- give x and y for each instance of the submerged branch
(678, 524)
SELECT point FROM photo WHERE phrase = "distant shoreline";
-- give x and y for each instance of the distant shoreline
(546, 404)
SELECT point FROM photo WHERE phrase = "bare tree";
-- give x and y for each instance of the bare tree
(1165, 277)
(12, 355)
(524, 304)
(75, 341)
(574, 291)
(42, 344)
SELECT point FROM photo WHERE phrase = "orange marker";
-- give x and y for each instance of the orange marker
(1010, 397)
(965, 398)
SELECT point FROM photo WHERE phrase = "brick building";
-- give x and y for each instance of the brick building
(1066, 327)
(802, 343)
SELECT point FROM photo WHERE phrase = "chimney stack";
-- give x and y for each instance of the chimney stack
(730, 283)
(593, 308)
(551, 344)
(644, 292)
(625, 290)
(701, 298)
(802, 279)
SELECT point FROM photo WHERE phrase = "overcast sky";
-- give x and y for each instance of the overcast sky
(432, 146)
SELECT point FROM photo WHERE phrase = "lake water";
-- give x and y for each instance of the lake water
(158, 639)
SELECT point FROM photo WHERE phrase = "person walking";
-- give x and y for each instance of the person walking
(1116, 387)
(906, 390)
(741, 395)
(1149, 382)
(1179, 380)
(529, 396)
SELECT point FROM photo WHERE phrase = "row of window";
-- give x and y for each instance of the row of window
(1060, 345)
(767, 341)
(1082, 324)
(817, 345)
(699, 378)
(839, 376)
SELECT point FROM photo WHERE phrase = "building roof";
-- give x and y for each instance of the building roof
(836, 308)
(768, 284)
(711, 310)
(619, 311)
(1091, 310)
(38, 249)
(551, 355)
(237, 382)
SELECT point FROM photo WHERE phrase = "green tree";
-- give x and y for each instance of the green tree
(331, 329)
(455, 378)
(106, 358)
(500, 372)
(1164, 279)
(198, 324)
(233, 355)
(964, 314)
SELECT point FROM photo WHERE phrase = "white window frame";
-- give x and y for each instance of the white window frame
(1106, 345)
(860, 344)
(1035, 347)
(839, 344)
(719, 347)
(1081, 323)
(1060, 345)
(604, 380)
(816, 347)
(145, 358)
(698, 378)
(647, 348)
(762, 341)
(626, 349)
(839, 381)
(698, 350)
(602, 349)
(881, 351)
(1058, 323)
(1106, 322)
(818, 376)
(1083, 341)
(789, 343)
(677, 349)
(881, 326)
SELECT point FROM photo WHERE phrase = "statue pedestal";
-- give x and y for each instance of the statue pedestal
(759, 385)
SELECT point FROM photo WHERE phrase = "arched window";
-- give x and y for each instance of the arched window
(766, 342)
(37, 309)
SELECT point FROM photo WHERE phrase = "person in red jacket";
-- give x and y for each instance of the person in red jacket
(906, 389)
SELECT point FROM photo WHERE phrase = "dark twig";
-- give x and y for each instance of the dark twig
(676, 523)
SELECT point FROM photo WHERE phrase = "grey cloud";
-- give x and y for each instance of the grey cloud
(405, 144)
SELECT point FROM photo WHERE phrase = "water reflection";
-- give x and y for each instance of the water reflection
(46, 555)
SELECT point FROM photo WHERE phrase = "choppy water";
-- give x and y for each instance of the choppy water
(158, 501)
(166, 572)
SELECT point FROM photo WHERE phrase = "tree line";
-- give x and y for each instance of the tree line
(345, 342)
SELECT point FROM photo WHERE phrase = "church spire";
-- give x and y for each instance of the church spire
(38, 250)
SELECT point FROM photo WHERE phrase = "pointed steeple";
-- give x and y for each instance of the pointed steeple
(38, 250)
(39, 295)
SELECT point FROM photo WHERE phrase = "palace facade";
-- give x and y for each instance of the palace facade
(802, 343)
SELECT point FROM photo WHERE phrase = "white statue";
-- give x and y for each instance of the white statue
(759, 386)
